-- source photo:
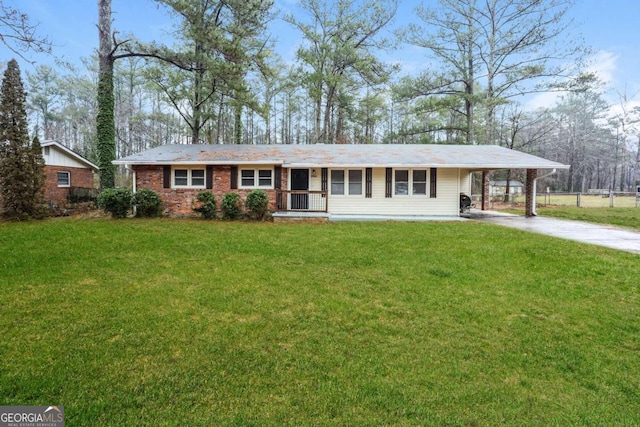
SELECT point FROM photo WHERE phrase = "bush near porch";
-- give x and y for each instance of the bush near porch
(166, 322)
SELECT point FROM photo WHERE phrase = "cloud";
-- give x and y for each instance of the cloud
(604, 65)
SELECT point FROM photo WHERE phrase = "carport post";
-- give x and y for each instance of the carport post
(485, 190)
(529, 206)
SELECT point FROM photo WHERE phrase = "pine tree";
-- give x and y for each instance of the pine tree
(21, 170)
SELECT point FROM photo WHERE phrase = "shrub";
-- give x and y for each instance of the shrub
(257, 203)
(205, 205)
(231, 206)
(148, 203)
(116, 201)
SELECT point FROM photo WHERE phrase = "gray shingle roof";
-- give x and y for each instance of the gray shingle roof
(324, 155)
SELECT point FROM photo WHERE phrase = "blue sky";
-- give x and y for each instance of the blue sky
(608, 26)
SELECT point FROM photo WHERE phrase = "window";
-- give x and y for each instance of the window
(197, 178)
(189, 178)
(402, 182)
(256, 178)
(247, 177)
(47, 151)
(346, 182)
(264, 178)
(64, 179)
(419, 182)
(355, 182)
(337, 182)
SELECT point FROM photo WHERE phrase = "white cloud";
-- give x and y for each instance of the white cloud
(604, 65)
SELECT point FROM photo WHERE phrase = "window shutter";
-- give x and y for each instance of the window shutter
(388, 185)
(209, 177)
(325, 178)
(234, 177)
(166, 177)
(368, 183)
(433, 183)
(277, 182)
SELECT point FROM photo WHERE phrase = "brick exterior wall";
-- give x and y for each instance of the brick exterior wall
(78, 177)
(178, 201)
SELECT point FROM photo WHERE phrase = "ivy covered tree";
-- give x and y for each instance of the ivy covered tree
(21, 163)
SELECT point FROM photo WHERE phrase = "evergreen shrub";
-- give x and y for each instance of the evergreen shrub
(148, 203)
(205, 205)
(231, 206)
(116, 201)
(257, 203)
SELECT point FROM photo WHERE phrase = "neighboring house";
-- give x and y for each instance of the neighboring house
(67, 172)
(367, 179)
(499, 188)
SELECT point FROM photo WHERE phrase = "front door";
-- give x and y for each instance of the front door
(299, 188)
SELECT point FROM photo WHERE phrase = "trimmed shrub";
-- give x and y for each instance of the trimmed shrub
(257, 203)
(231, 206)
(116, 201)
(148, 203)
(205, 204)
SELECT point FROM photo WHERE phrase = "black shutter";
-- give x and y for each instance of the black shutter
(325, 179)
(388, 185)
(433, 183)
(277, 182)
(234, 177)
(166, 177)
(209, 177)
(368, 190)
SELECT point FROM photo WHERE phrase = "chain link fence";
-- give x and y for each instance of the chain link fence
(585, 200)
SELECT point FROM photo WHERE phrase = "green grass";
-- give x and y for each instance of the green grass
(165, 322)
(621, 217)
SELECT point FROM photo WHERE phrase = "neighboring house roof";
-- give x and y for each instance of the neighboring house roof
(504, 183)
(69, 153)
(474, 157)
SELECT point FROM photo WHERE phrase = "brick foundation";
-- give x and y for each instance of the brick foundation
(179, 202)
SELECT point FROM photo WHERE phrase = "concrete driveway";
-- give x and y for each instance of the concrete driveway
(602, 235)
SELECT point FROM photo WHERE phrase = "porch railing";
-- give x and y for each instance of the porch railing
(301, 200)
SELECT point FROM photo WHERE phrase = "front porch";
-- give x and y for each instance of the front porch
(301, 201)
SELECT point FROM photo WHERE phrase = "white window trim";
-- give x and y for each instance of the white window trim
(189, 177)
(410, 183)
(256, 178)
(68, 179)
(346, 183)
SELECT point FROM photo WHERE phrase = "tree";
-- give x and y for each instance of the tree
(338, 58)
(19, 34)
(105, 120)
(224, 41)
(21, 164)
(109, 51)
(504, 48)
(44, 92)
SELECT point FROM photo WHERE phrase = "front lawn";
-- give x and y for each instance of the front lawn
(166, 322)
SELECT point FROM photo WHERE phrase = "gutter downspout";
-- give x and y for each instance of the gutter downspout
(535, 185)
(133, 185)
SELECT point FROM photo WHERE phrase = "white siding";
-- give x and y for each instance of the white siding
(445, 204)
(465, 182)
(57, 157)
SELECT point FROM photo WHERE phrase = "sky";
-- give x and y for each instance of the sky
(609, 27)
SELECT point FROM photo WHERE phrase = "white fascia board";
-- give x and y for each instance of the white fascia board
(70, 153)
